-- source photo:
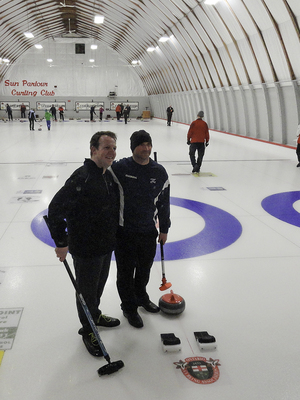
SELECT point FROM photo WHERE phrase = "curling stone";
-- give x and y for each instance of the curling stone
(171, 303)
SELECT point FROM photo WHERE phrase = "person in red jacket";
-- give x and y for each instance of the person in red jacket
(118, 111)
(197, 139)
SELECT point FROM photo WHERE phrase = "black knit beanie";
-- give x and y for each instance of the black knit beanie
(138, 138)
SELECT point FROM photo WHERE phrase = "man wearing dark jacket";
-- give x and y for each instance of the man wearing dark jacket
(145, 199)
(88, 206)
(170, 111)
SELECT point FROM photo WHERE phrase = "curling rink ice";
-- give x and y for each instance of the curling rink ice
(233, 254)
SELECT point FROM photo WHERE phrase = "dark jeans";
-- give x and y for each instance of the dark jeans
(91, 276)
(134, 255)
(31, 124)
(200, 147)
(169, 119)
(298, 151)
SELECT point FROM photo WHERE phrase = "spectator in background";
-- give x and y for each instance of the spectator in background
(31, 118)
(53, 112)
(298, 145)
(48, 117)
(197, 139)
(92, 112)
(61, 113)
(101, 110)
(170, 111)
(118, 111)
(23, 109)
(9, 112)
(126, 113)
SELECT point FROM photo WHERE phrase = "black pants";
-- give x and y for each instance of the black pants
(169, 119)
(134, 255)
(31, 124)
(91, 276)
(125, 117)
(22, 114)
(200, 147)
(298, 151)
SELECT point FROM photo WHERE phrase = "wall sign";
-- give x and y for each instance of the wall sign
(29, 88)
(133, 106)
(86, 106)
(14, 105)
(9, 322)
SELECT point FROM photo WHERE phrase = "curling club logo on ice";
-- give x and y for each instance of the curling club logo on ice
(199, 369)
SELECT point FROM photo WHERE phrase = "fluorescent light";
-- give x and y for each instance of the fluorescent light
(5, 60)
(134, 62)
(211, 2)
(29, 35)
(150, 49)
(38, 46)
(91, 60)
(49, 59)
(164, 38)
(94, 46)
(99, 19)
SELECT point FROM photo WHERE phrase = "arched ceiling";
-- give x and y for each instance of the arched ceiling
(230, 43)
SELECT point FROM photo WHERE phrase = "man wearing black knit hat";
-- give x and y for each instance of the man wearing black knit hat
(145, 200)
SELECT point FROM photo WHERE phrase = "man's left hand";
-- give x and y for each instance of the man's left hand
(162, 237)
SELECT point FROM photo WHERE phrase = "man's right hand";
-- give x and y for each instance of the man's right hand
(61, 253)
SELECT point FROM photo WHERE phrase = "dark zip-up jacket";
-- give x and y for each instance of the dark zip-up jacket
(88, 206)
(145, 195)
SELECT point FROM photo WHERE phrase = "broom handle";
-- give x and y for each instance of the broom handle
(83, 303)
(162, 258)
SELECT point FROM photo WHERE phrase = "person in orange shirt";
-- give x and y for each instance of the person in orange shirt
(61, 113)
(197, 139)
(118, 111)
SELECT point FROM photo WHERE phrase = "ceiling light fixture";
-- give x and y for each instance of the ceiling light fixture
(164, 38)
(49, 59)
(29, 35)
(98, 19)
(94, 46)
(150, 49)
(38, 46)
(91, 60)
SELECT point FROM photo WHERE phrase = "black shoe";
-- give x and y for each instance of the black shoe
(298, 165)
(91, 343)
(108, 322)
(134, 319)
(150, 307)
